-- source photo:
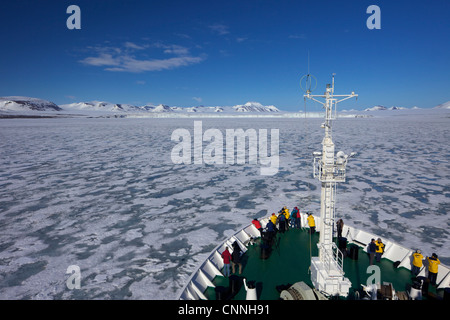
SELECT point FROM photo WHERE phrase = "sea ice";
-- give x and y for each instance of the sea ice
(104, 194)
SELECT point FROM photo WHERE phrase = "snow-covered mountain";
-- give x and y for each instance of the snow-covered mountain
(255, 107)
(100, 106)
(202, 109)
(25, 104)
(445, 105)
(249, 107)
(21, 105)
(158, 108)
(397, 108)
(376, 108)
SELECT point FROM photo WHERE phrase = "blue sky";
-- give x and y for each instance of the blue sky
(188, 53)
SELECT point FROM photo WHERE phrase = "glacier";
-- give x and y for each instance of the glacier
(103, 194)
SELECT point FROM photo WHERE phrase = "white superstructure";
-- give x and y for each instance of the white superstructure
(327, 273)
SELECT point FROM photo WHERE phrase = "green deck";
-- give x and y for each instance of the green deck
(289, 262)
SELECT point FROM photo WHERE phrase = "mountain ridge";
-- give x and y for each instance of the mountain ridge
(27, 105)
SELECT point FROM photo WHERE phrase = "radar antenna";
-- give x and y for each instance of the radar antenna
(308, 82)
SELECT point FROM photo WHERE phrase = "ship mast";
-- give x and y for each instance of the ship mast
(327, 273)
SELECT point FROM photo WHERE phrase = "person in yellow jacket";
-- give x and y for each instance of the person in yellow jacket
(311, 223)
(433, 265)
(380, 249)
(417, 262)
(286, 215)
(286, 212)
(273, 218)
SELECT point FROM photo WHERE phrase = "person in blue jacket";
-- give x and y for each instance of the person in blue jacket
(295, 215)
(270, 230)
(281, 222)
(371, 250)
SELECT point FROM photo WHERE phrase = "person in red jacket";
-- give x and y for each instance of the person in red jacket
(226, 256)
(257, 225)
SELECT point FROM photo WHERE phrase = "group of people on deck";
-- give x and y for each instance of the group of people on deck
(433, 265)
(277, 223)
(376, 249)
(233, 259)
(285, 220)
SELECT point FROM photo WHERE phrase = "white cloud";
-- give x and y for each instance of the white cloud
(198, 99)
(173, 49)
(220, 29)
(129, 64)
(118, 60)
(131, 45)
(103, 59)
(183, 35)
(298, 36)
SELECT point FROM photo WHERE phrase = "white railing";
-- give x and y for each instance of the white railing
(337, 175)
(333, 261)
(338, 256)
